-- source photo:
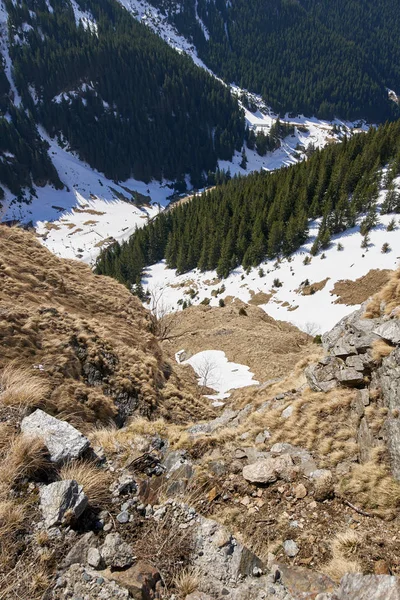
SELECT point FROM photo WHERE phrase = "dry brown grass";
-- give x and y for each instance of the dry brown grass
(26, 457)
(186, 582)
(57, 313)
(270, 348)
(387, 300)
(381, 349)
(372, 486)
(21, 387)
(94, 480)
(338, 567)
(356, 292)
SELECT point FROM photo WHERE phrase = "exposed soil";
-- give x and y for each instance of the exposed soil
(312, 288)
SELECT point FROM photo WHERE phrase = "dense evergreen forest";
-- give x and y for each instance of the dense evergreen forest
(117, 94)
(24, 160)
(265, 214)
(316, 57)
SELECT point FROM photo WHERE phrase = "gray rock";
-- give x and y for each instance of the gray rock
(300, 456)
(354, 586)
(350, 377)
(291, 548)
(82, 582)
(123, 517)
(115, 552)
(389, 331)
(287, 412)
(269, 470)
(60, 500)
(94, 558)
(355, 362)
(79, 552)
(322, 377)
(262, 437)
(62, 440)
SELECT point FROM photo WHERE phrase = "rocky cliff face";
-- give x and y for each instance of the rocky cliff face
(363, 352)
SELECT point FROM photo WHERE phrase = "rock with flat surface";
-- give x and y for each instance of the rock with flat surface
(322, 377)
(62, 500)
(350, 377)
(63, 441)
(115, 552)
(305, 584)
(389, 331)
(354, 586)
(140, 580)
(269, 470)
(79, 551)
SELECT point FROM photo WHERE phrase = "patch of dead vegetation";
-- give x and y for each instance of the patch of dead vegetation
(258, 298)
(387, 300)
(312, 288)
(89, 211)
(356, 292)
(270, 348)
(83, 340)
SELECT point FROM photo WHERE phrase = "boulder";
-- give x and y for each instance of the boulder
(350, 377)
(355, 586)
(94, 558)
(389, 331)
(62, 440)
(269, 470)
(115, 552)
(140, 580)
(62, 500)
(322, 377)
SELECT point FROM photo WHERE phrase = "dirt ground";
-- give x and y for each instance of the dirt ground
(355, 292)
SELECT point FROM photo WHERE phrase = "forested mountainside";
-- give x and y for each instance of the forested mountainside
(266, 214)
(110, 90)
(314, 57)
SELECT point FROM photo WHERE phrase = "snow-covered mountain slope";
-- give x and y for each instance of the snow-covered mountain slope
(89, 212)
(298, 289)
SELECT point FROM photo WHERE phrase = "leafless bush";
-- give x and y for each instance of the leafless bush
(163, 318)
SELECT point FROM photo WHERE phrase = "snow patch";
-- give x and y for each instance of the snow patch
(215, 371)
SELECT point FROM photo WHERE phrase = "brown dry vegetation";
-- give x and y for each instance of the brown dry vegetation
(358, 291)
(308, 290)
(387, 300)
(80, 344)
(270, 348)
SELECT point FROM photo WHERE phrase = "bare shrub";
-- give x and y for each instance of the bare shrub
(162, 319)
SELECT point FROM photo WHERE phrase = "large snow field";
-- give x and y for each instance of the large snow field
(216, 372)
(77, 221)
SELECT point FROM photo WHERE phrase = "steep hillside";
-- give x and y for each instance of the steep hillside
(318, 58)
(85, 338)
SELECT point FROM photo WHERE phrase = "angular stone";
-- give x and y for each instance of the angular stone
(60, 500)
(355, 362)
(115, 552)
(389, 331)
(350, 377)
(291, 548)
(269, 470)
(62, 440)
(299, 456)
(354, 586)
(322, 377)
(304, 583)
(140, 580)
(79, 551)
(262, 437)
(287, 412)
(94, 558)
(300, 491)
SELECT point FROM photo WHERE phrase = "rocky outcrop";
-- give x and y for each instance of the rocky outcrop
(352, 362)
(62, 500)
(61, 439)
